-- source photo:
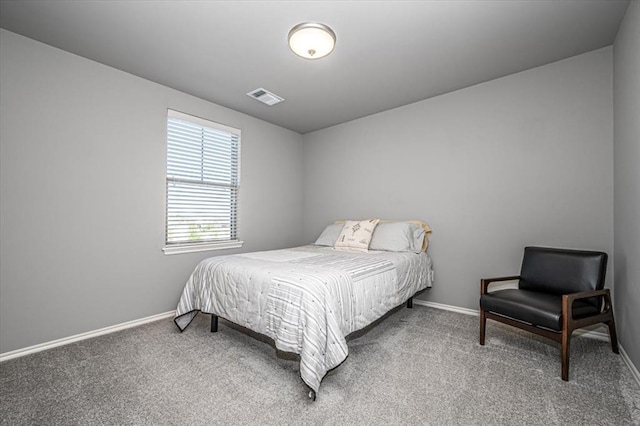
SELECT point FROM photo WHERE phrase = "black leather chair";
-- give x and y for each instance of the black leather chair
(559, 290)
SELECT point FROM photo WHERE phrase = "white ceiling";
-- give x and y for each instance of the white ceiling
(388, 53)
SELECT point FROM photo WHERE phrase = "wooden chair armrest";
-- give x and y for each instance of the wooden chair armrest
(484, 283)
(568, 299)
(606, 312)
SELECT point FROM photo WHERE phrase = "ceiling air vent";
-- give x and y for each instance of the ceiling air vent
(265, 96)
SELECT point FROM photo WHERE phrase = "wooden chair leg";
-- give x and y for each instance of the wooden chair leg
(613, 335)
(483, 326)
(566, 338)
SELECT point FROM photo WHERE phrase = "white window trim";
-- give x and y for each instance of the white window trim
(201, 121)
(194, 248)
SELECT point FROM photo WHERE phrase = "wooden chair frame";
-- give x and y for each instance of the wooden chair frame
(569, 324)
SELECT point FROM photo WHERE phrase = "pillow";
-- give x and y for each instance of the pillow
(329, 235)
(427, 231)
(398, 236)
(356, 235)
(423, 225)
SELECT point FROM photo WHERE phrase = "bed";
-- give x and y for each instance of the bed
(309, 298)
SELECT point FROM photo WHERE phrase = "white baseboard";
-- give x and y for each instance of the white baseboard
(591, 334)
(627, 360)
(82, 336)
(452, 308)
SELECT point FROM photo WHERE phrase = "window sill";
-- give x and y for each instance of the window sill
(193, 248)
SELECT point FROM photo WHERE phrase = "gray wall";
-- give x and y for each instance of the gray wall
(522, 160)
(82, 150)
(626, 153)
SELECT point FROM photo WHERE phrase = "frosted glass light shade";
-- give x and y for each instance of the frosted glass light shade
(312, 41)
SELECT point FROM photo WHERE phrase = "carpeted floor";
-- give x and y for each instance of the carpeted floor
(417, 366)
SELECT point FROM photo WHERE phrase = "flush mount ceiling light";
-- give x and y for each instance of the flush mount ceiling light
(312, 41)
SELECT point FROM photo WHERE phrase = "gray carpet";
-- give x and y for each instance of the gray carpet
(417, 366)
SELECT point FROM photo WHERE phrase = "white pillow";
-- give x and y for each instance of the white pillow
(329, 235)
(356, 235)
(398, 236)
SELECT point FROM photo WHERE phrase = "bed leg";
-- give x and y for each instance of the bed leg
(410, 303)
(214, 323)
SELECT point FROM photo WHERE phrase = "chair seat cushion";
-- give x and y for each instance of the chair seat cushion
(539, 309)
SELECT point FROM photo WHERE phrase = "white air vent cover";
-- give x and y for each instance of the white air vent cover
(265, 96)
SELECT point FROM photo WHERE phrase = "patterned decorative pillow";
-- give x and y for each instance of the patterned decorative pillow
(356, 235)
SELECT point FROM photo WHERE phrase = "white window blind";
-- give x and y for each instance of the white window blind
(203, 177)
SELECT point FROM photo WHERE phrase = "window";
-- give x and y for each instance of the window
(203, 176)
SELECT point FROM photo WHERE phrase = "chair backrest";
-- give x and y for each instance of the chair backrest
(562, 271)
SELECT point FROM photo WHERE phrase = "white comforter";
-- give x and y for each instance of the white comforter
(307, 299)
